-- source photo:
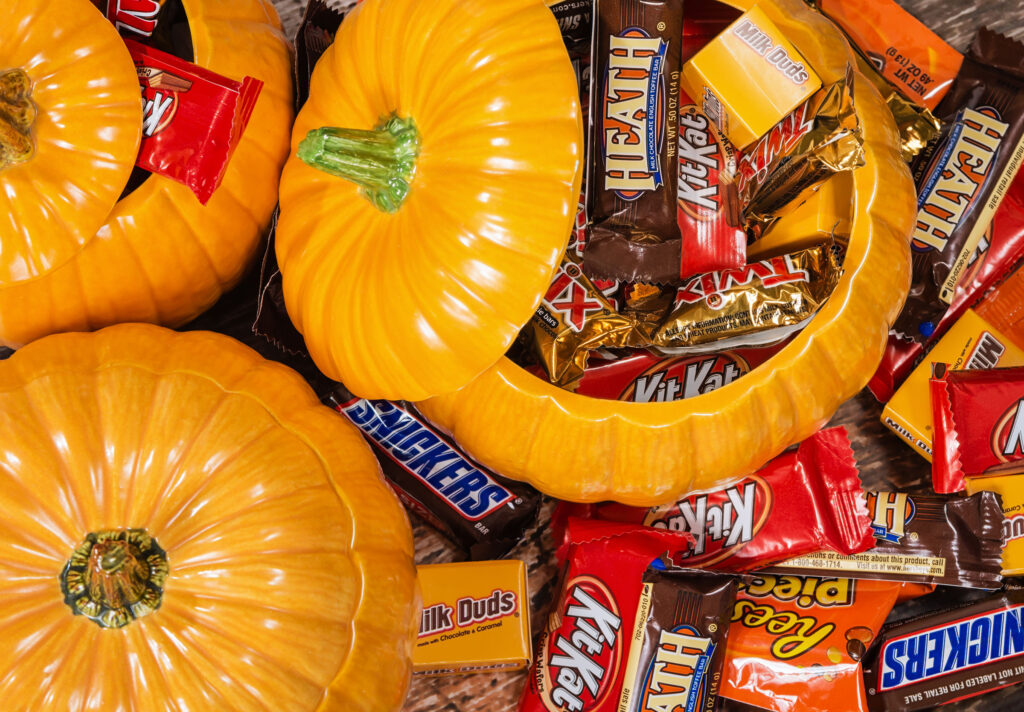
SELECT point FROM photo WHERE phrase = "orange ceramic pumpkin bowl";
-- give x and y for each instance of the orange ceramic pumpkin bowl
(185, 526)
(158, 256)
(584, 449)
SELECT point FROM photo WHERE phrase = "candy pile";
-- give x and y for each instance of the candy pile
(713, 225)
(711, 228)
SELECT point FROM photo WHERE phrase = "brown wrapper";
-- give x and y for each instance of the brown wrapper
(759, 304)
(633, 142)
(926, 538)
(678, 644)
(963, 176)
(816, 140)
(947, 656)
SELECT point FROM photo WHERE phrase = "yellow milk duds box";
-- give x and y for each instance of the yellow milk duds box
(476, 616)
(969, 344)
(748, 78)
(1010, 489)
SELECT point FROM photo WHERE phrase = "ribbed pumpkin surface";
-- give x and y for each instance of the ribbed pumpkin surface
(162, 257)
(416, 303)
(87, 129)
(290, 582)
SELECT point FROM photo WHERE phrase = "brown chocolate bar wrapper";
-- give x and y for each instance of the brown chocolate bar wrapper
(926, 538)
(963, 175)
(633, 140)
(759, 304)
(678, 645)
(947, 656)
(482, 512)
(816, 140)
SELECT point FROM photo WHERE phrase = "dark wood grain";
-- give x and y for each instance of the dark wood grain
(884, 459)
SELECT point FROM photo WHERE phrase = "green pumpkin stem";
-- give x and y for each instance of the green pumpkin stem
(381, 161)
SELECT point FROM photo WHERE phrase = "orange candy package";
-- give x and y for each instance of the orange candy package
(795, 643)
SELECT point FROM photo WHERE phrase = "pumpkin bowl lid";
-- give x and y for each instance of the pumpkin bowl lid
(221, 539)
(584, 449)
(479, 105)
(70, 127)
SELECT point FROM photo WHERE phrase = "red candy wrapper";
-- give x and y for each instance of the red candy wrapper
(647, 378)
(707, 200)
(1000, 249)
(192, 118)
(979, 424)
(581, 659)
(137, 17)
(799, 503)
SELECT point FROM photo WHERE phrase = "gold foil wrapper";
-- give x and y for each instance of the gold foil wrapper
(573, 319)
(819, 138)
(917, 125)
(776, 292)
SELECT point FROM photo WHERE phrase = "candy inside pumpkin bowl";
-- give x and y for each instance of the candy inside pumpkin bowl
(586, 449)
(567, 444)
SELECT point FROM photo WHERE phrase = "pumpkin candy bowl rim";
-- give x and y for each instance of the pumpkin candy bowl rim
(378, 545)
(586, 449)
(66, 100)
(177, 256)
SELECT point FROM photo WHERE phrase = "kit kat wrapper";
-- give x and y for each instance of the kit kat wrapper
(979, 424)
(947, 656)
(592, 619)
(931, 539)
(801, 502)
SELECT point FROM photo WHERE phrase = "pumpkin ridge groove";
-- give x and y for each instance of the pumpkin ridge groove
(67, 535)
(227, 518)
(66, 478)
(195, 646)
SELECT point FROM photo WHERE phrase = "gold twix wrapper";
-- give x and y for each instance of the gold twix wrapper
(819, 138)
(762, 302)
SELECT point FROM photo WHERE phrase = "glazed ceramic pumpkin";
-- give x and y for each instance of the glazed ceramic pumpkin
(584, 449)
(184, 526)
(157, 255)
(460, 139)
(69, 132)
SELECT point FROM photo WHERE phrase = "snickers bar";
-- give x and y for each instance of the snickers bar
(483, 513)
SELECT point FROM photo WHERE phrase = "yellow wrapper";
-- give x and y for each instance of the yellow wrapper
(1011, 489)
(476, 616)
(971, 342)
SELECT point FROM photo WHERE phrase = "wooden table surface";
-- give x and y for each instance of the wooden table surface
(884, 460)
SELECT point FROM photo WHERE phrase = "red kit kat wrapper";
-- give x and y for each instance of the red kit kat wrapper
(646, 378)
(800, 502)
(192, 118)
(582, 656)
(979, 424)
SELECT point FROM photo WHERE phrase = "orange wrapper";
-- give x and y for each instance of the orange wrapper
(909, 55)
(795, 643)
